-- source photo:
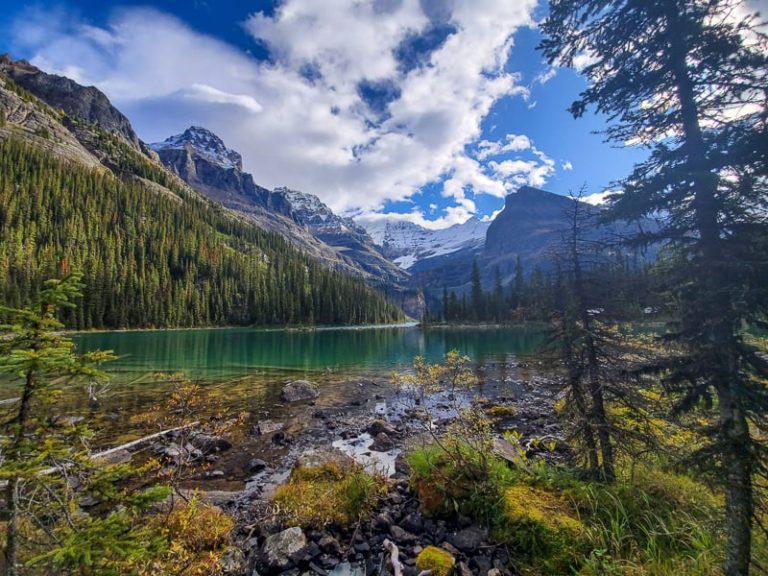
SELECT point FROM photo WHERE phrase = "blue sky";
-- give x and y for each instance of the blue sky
(427, 110)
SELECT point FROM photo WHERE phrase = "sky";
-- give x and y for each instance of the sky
(430, 111)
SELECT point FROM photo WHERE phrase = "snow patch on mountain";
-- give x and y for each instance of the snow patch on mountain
(314, 213)
(407, 243)
(206, 144)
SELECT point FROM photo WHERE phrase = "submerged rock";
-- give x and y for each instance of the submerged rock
(209, 443)
(284, 548)
(300, 390)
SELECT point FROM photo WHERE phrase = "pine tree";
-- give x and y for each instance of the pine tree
(34, 350)
(687, 78)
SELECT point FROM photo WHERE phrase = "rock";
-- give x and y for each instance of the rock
(232, 562)
(256, 465)
(378, 426)
(347, 569)
(468, 539)
(382, 443)
(209, 443)
(480, 564)
(462, 569)
(383, 521)
(401, 465)
(322, 456)
(329, 544)
(300, 390)
(494, 572)
(413, 523)
(402, 536)
(281, 550)
(268, 427)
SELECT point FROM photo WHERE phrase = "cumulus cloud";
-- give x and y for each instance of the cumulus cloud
(360, 102)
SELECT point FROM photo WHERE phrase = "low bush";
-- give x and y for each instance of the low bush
(650, 522)
(328, 494)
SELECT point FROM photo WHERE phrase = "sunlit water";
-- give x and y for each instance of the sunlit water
(243, 369)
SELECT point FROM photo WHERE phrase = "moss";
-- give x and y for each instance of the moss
(438, 561)
(528, 505)
(328, 494)
(499, 412)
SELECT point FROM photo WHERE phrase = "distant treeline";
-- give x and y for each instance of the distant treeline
(156, 260)
(618, 282)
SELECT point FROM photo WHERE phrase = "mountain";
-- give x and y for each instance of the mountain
(407, 243)
(79, 192)
(84, 103)
(202, 160)
(530, 224)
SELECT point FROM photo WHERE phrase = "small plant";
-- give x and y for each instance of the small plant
(328, 494)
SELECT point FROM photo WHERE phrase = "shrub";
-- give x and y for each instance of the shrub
(328, 494)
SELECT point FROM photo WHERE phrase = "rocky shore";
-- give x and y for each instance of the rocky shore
(374, 428)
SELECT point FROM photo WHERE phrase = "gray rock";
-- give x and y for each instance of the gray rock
(402, 536)
(256, 465)
(268, 427)
(280, 550)
(378, 426)
(382, 443)
(232, 562)
(413, 523)
(469, 539)
(209, 443)
(300, 390)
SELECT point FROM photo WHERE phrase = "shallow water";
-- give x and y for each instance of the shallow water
(243, 370)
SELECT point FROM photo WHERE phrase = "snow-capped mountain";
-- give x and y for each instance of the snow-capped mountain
(202, 160)
(407, 243)
(206, 144)
(309, 210)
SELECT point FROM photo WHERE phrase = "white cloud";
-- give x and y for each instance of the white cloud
(299, 119)
(513, 143)
(567, 165)
(213, 95)
(599, 198)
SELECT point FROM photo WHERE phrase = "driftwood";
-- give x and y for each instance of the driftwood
(9, 401)
(394, 559)
(140, 441)
(132, 444)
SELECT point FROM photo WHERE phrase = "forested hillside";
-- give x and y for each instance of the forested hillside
(152, 260)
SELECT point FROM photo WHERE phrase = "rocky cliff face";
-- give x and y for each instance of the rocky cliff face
(202, 160)
(84, 103)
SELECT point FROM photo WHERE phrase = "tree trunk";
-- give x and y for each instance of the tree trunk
(717, 337)
(737, 462)
(12, 489)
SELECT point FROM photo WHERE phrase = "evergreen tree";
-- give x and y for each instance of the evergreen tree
(687, 78)
(157, 260)
(476, 293)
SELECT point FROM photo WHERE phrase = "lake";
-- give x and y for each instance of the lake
(243, 369)
(230, 352)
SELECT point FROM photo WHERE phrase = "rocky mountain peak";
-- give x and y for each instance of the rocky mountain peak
(204, 143)
(85, 103)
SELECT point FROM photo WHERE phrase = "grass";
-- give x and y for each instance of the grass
(328, 494)
(652, 522)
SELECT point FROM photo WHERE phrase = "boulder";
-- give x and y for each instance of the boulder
(281, 550)
(382, 443)
(300, 390)
(469, 539)
(378, 426)
(210, 443)
(268, 427)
